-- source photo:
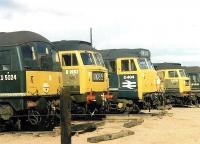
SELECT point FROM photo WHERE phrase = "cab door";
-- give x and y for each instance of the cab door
(128, 81)
(70, 70)
(11, 79)
(112, 75)
(172, 81)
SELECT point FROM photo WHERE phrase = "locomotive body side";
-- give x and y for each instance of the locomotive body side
(30, 79)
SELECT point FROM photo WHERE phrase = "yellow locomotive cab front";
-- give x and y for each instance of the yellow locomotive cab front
(175, 81)
(84, 72)
(133, 78)
(177, 87)
(84, 77)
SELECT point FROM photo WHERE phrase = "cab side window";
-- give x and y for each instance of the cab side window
(66, 59)
(5, 61)
(193, 78)
(172, 74)
(133, 67)
(69, 60)
(74, 60)
(125, 65)
(113, 66)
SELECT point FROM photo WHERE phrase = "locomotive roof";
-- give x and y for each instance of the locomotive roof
(111, 54)
(165, 65)
(192, 69)
(64, 45)
(19, 37)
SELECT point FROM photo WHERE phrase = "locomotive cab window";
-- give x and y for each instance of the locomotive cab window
(44, 55)
(69, 60)
(172, 74)
(150, 64)
(28, 52)
(39, 55)
(99, 59)
(133, 67)
(5, 61)
(110, 65)
(29, 56)
(198, 77)
(193, 79)
(142, 63)
(113, 66)
(125, 65)
(182, 73)
(87, 58)
(55, 58)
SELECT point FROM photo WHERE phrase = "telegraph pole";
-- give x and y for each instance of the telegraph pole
(65, 108)
(91, 36)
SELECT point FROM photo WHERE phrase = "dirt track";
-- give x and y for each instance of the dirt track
(183, 127)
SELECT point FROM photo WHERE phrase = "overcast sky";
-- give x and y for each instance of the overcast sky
(169, 28)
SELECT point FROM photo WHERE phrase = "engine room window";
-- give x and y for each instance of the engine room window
(125, 65)
(87, 59)
(172, 74)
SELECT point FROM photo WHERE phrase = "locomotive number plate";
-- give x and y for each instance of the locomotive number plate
(98, 76)
(8, 77)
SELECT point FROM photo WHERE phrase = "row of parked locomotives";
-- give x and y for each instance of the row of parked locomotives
(30, 80)
(176, 84)
(133, 79)
(85, 74)
(33, 71)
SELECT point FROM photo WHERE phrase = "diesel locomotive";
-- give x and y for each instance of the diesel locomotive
(30, 80)
(133, 79)
(85, 73)
(176, 84)
(194, 73)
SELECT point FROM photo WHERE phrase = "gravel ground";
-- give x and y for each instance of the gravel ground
(181, 127)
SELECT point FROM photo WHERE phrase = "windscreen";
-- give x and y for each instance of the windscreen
(150, 65)
(195, 78)
(39, 55)
(87, 58)
(182, 73)
(142, 63)
(99, 59)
